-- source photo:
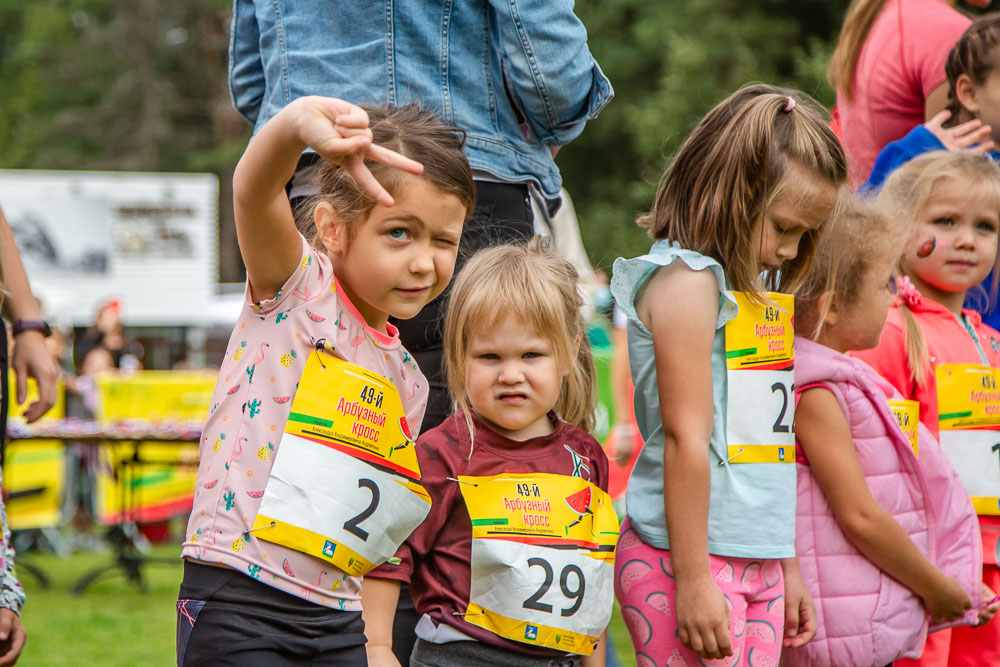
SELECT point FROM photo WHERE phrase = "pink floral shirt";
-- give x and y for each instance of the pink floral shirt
(251, 403)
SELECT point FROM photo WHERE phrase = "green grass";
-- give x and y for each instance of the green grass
(114, 624)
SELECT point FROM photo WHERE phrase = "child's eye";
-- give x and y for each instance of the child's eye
(488, 355)
(532, 355)
(987, 226)
(944, 222)
(398, 234)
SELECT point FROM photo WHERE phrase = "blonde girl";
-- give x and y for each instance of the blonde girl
(886, 541)
(951, 202)
(710, 530)
(513, 565)
(296, 494)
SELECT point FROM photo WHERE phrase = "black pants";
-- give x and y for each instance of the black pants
(226, 618)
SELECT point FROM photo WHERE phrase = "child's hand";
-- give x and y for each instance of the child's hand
(339, 131)
(703, 618)
(990, 610)
(948, 602)
(13, 634)
(971, 135)
(800, 616)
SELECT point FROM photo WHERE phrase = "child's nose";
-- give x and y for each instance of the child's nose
(422, 262)
(510, 373)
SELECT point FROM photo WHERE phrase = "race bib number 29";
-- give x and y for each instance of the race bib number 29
(760, 381)
(542, 559)
(345, 485)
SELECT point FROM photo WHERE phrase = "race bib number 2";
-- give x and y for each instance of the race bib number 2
(760, 381)
(345, 484)
(542, 559)
(969, 419)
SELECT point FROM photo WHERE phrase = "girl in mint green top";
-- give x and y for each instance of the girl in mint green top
(709, 521)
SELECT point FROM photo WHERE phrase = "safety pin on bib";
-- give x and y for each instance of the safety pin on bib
(318, 345)
(460, 481)
(725, 461)
(246, 533)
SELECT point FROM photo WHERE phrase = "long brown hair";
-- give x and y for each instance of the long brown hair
(973, 55)
(411, 131)
(858, 22)
(714, 194)
(529, 282)
(908, 191)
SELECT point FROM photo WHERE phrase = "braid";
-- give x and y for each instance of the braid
(973, 55)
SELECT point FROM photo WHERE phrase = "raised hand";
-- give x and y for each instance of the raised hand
(339, 131)
(972, 135)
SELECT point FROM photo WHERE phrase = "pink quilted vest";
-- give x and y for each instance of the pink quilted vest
(864, 616)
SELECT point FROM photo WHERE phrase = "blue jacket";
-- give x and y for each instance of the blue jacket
(515, 74)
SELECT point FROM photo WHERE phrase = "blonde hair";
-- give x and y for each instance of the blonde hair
(530, 282)
(858, 22)
(860, 238)
(714, 194)
(907, 191)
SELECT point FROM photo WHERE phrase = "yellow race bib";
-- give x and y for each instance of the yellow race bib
(543, 549)
(907, 413)
(969, 419)
(345, 485)
(760, 381)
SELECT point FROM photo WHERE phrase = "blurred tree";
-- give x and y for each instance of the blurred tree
(669, 62)
(141, 84)
(132, 85)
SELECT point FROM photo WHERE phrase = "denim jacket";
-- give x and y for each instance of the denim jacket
(515, 74)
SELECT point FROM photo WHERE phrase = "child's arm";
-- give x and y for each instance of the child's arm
(600, 655)
(378, 608)
(337, 130)
(673, 307)
(822, 429)
(800, 616)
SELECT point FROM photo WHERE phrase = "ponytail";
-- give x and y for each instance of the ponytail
(858, 22)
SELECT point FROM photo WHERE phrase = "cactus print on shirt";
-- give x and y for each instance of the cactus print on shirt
(253, 395)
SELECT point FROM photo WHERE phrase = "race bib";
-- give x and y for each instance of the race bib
(345, 485)
(907, 413)
(969, 419)
(543, 550)
(760, 380)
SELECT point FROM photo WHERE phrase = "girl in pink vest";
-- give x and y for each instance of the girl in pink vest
(887, 540)
(950, 202)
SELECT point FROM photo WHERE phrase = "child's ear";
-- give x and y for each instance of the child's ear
(332, 231)
(575, 349)
(965, 91)
(828, 303)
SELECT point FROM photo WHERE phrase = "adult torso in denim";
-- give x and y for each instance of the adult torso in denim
(517, 75)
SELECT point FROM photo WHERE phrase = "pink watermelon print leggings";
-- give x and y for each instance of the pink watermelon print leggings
(644, 586)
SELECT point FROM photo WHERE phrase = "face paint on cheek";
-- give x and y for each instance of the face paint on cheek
(927, 247)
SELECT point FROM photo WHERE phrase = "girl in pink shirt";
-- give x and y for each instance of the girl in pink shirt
(307, 475)
(931, 347)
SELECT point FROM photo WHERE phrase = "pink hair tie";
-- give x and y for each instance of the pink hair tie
(907, 292)
(790, 104)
